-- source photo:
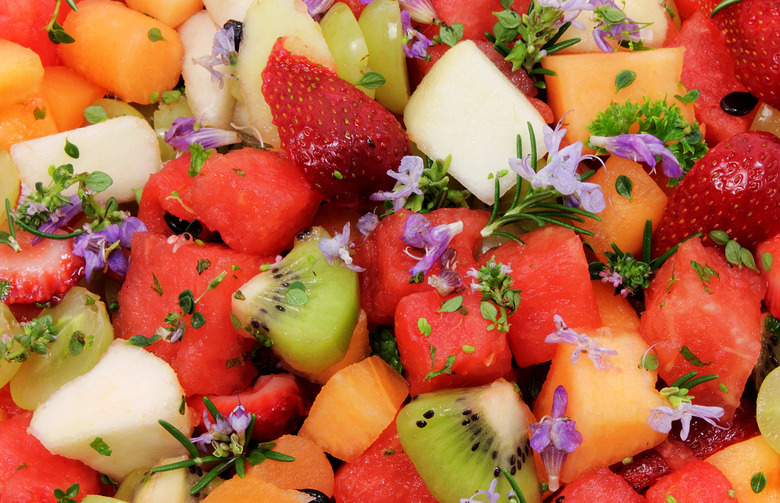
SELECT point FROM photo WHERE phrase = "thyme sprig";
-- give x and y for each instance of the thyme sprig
(35, 338)
(55, 30)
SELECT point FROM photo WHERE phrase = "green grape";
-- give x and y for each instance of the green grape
(117, 108)
(381, 26)
(347, 44)
(81, 314)
(8, 326)
(163, 117)
(768, 409)
(9, 184)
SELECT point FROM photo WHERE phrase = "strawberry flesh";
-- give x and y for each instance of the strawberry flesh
(344, 140)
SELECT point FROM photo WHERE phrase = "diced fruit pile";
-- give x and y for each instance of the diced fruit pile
(389, 250)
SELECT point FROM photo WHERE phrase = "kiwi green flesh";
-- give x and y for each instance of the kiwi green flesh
(460, 440)
(769, 358)
(310, 334)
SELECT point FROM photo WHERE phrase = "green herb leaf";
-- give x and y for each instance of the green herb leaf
(468, 349)
(670, 499)
(758, 482)
(624, 186)
(690, 97)
(732, 252)
(199, 155)
(447, 369)
(101, 447)
(197, 320)
(171, 96)
(649, 362)
(98, 181)
(766, 261)
(155, 35)
(692, 358)
(424, 327)
(71, 150)
(95, 113)
(141, 341)
(296, 294)
(239, 295)
(39, 113)
(705, 274)
(451, 305)
(371, 80)
(187, 302)
(217, 280)
(157, 287)
(719, 237)
(451, 34)
(77, 343)
(488, 311)
(623, 79)
(203, 264)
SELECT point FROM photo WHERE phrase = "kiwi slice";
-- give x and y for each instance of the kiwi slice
(461, 439)
(307, 308)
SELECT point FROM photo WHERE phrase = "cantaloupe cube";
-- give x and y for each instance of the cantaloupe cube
(131, 55)
(25, 120)
(623, 220)
(68, 94)
(359, 400)
(585, 83)
(615, 311)
(310, 470)
(171, 12)
(250, 490)
(610, 406)
(21, 72)
(739, 462)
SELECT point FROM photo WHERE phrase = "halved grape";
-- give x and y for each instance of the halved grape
(9, 184)
(8, 326)
(347, 44)
(81, 316)
(768, 409)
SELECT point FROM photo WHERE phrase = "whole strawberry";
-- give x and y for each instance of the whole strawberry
(344, 140)
(735, 187)
(752, 29)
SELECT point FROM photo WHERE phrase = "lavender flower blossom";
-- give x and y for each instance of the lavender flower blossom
(407, 182)
(317, 7)
(584, 345)
(640, 147)
(186, 131)
(223, 52)
(560, 172)
(102, 249)
(661, 418)
(417, 44)
(338, 248)
(419, 234)
(554, 437)
(60, 217)
(448, 280)
(225, 436)
(569, 9)
(613, 24)
(615, 279)
(421, 11)
(492, 495)
(367, 223)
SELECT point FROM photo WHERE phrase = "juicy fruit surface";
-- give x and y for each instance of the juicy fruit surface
(733, 188)
(345, 141)
(599, 485)
(695, 482)
(310, 470)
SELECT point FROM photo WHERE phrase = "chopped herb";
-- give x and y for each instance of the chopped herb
(371, 80)
(203, 264)
(383, 344)
(424, 327)
(155, 35)
(766, 261)
(670, 499)
(187, 302)
(141, 341)
(450, 34)
(624, 186)
(78, 341)
(337, 175)
(182, 405)
(723, 387)
(468, 349)
(197, 320)
(451, 305)
(36, 336)
(155, 96)
(137, 193)
(39, 113)
(239, 172)
(101, 447)
(68, 495)
(692, 358)
(690, 97)
(95, 113)
(705, 274)
(239, 295)
(71, 150)
(623, 79)
(171, 96)
(113, 307)
(447, 369)
(198, 156)
(758, 482)
(234, 320)
(649, 362)
(296, 294)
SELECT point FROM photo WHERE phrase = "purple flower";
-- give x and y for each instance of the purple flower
(186, 131)
(661, 418)
(584, 345)
(367, 223)
(223, 52)
(417, 44)
(421, 11)
(570, 9)
(239, 419)
(60, 217)
(102, 249)
(560, 172)
(640, 147)
(128, 228)
(554, 437)
(447, 280)
(613, 24)
(407, 182)
(338, 248)
(419, 234)
(317, 7)
(492, 495)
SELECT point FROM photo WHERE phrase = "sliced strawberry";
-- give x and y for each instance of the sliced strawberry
(687, 8)
(734, 188)
(751, 28)
(276, 400)
(772, 273)
(644, 469)
(39, 272)
(344, 140)
(705, 439)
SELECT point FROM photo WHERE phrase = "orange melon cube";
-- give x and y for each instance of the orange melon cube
(171, 12)
(310, 470)
(615, 311)
(359, 349)
(25, 120)
(21, 72)
(623, 220)
(739, 462)
(584, 84)
(250, 490)
(129, 54)
(354, 408)
(68, 94)
(610, 406)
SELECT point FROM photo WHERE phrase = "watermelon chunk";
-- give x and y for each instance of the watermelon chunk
(386, 279)
(698, 301)
(204, 358)
(772, 274)
(599, 485)
(481, 356)
(167, 191)
(696, 482)
(551, 271)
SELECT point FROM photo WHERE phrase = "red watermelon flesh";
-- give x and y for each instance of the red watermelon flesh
(708, 67)
(382, 474)
(551, 271)
(772, 275)
(23, 22)
(599, 485)
(167, 192)
(481, 356)
(256, 199)
(697, 300)
(201, 359)
(30, 473)
(696, 482)
(476, 16)
(383, 254)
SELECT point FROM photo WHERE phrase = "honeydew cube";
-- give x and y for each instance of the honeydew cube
(465, 107)
(120, 402)
(210, 103)
(126, 148)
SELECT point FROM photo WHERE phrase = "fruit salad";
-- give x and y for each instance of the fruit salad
(389, 250)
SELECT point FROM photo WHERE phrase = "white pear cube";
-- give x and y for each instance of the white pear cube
(212, 104)
(265, 22)
(126, 148)
(465, 107)
(119, 401)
